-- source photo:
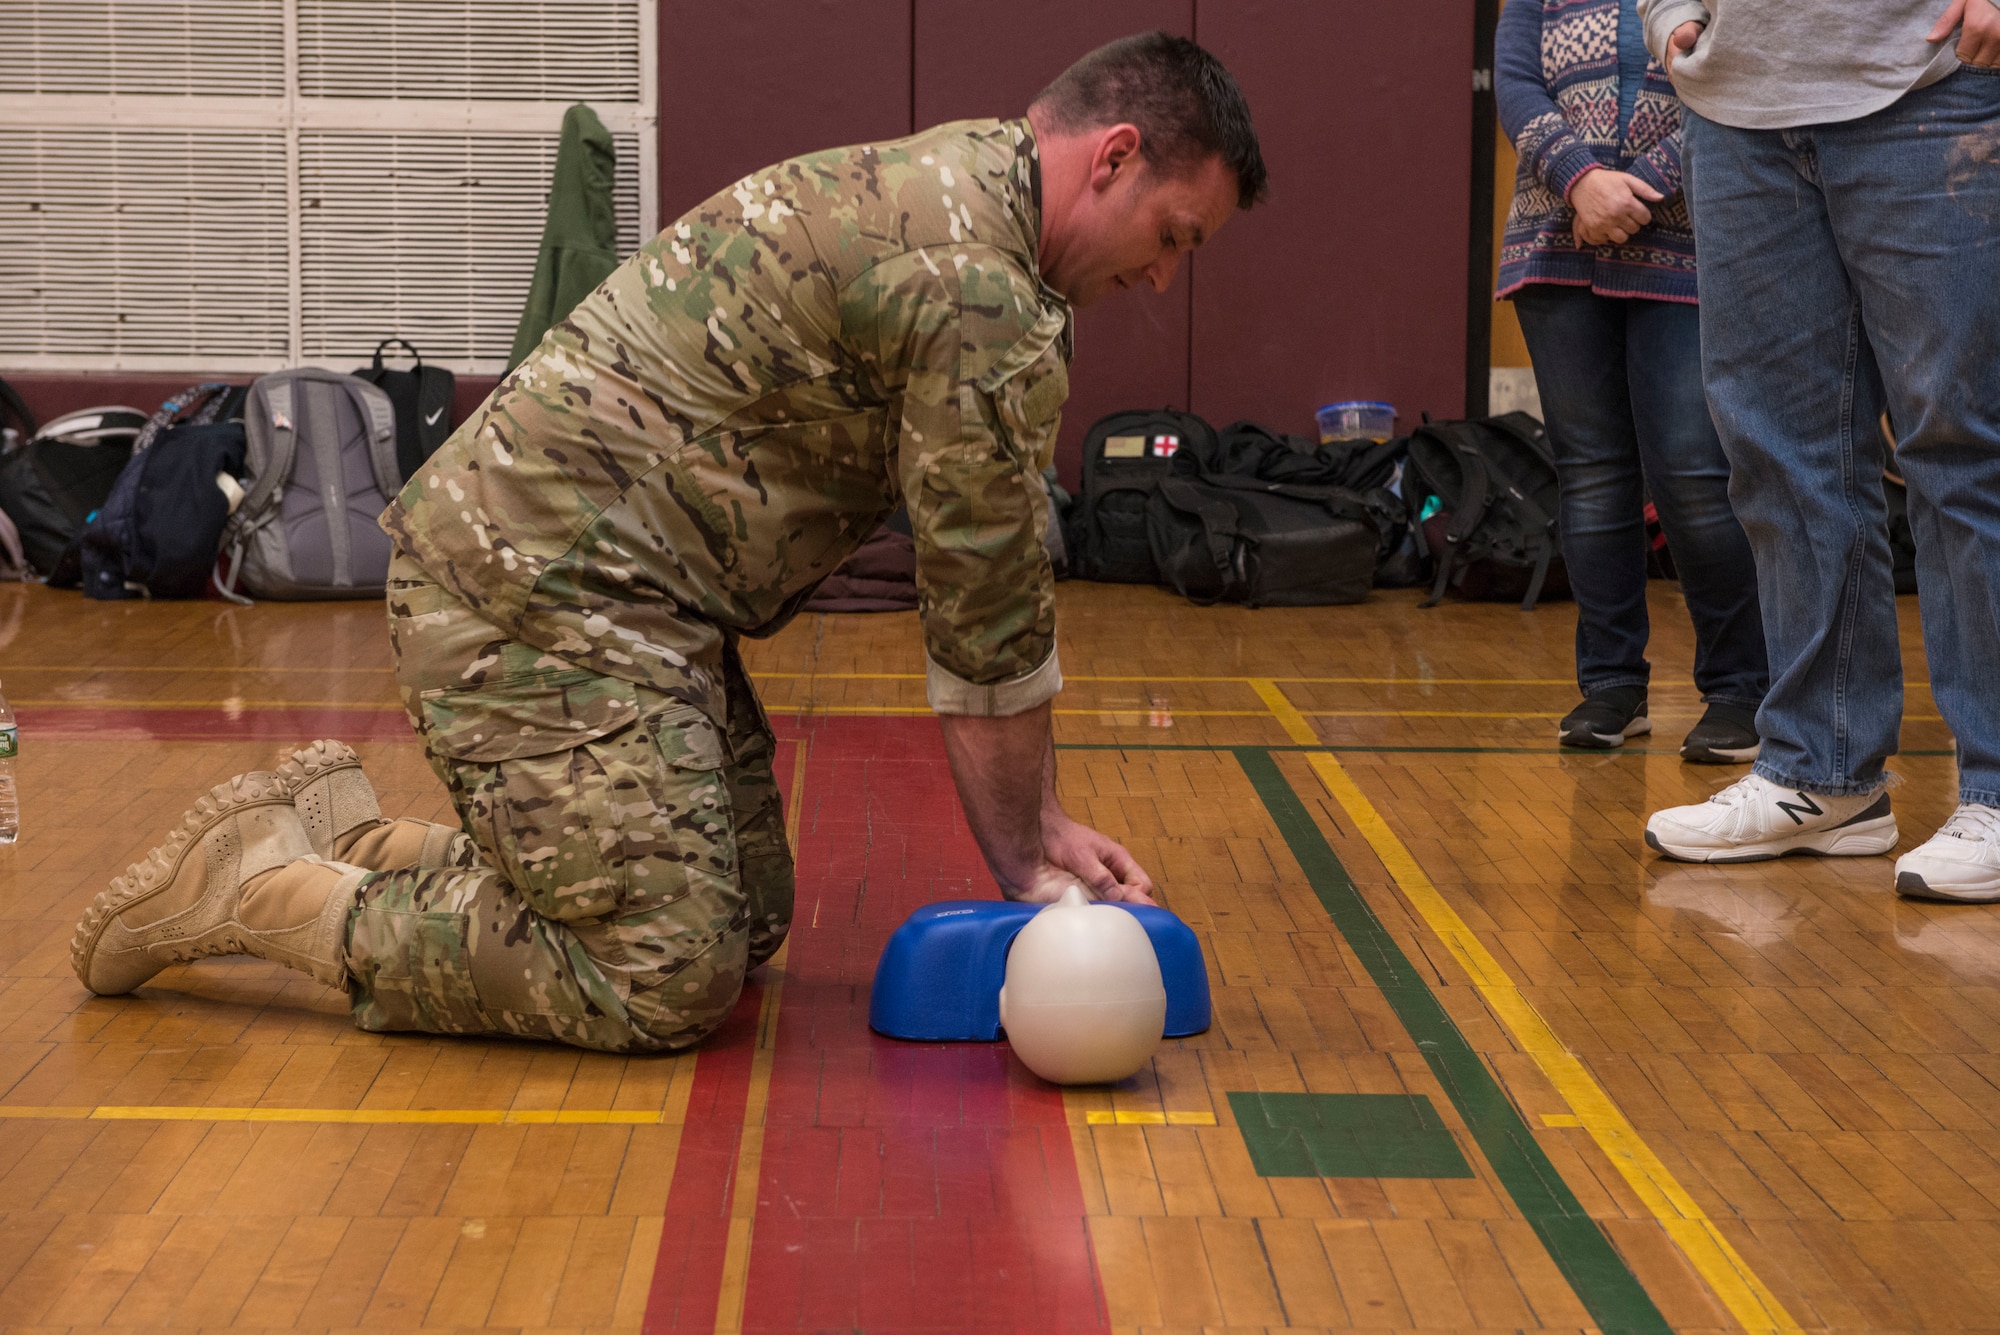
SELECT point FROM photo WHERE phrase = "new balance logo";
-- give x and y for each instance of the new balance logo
(1811, 808)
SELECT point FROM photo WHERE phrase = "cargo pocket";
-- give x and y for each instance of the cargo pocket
(413, 971)
(686, 914)
(589, 793)
(534, 770)
(681, 834)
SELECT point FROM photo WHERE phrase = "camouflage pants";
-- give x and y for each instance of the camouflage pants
(631, 858)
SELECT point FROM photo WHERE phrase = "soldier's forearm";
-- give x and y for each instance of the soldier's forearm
(1005, 770)
(1051, 804)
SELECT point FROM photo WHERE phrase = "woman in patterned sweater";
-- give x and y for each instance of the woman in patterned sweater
(1599, 262)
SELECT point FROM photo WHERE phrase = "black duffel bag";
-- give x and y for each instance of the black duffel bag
(52, 485)
(1217, 537)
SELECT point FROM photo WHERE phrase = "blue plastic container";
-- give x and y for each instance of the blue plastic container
(939, 977)
(1356, 419)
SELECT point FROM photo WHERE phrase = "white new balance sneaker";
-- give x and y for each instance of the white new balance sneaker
(1961, 862)
(1754, 819)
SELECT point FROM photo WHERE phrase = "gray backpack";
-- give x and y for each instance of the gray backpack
(322, 467)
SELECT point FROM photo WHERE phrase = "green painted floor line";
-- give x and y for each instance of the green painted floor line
(1346, 1135)
(1578, 1245)
(1345, 748)
(1359, 749)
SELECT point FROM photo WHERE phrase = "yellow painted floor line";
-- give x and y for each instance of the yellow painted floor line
(903, 711)
(72, 671)
(795, 809)
(1711, 1254)
(749, 1160)
(231, 702)
(1105, 1117)
(1719, 1263)
(735, 1288)
(490, 1116)
(1282, 709)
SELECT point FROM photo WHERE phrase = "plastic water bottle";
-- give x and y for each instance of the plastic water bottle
(10, 802)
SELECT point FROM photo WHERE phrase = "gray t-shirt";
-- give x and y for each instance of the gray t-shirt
(1769, 64)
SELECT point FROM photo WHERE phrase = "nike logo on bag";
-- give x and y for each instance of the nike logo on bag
(432, 420)
(1811, 808)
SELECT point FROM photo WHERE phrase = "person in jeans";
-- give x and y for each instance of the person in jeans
(1843, 163)
(1600, 263)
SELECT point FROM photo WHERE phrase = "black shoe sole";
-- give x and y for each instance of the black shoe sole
(1600, 741)
(1710, 755)
(1912, 886)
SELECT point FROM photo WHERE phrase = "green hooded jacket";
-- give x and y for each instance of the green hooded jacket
(580, 240)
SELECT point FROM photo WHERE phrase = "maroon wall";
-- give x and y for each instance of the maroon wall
(1349, 283)
(1131, 349)
(745, 83)
(49, 395)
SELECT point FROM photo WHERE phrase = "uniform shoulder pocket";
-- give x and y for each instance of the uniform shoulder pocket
(1026, 351)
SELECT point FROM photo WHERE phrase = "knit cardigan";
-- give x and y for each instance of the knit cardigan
(1556, 82)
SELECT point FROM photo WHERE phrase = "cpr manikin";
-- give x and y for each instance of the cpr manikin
(1083, 1003)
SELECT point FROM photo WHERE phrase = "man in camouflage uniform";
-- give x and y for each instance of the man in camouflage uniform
(680, 463)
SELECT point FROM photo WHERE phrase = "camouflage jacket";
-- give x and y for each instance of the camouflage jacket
(738, 406)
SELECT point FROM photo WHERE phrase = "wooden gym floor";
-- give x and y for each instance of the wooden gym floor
(1479, 1061)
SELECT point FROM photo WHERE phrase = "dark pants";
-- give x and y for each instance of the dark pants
(1621, 388)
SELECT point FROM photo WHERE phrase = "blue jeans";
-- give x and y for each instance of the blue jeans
(1845, 268)
(1620, 380)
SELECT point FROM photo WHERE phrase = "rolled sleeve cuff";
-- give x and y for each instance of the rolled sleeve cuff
(950, 693)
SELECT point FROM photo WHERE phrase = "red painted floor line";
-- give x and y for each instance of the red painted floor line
(905, 1187)
(88, 723)
(687, 1275)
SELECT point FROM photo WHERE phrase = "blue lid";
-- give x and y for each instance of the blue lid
(1358, 403)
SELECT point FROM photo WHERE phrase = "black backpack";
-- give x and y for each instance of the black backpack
(421, 397)
(1485, 497)
(1364, 465)
(174, 526)
(1125, 456)
(17, 424)
(55, 482)
(162, 511)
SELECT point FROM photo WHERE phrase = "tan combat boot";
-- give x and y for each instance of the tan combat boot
(344, 821)
(238, 877)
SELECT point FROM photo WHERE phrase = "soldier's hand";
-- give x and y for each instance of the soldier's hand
(1105, 867)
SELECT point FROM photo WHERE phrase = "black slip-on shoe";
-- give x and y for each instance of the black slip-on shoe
(1606, 719)
(1726, 735)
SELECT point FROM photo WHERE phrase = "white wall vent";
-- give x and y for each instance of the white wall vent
(243, 185)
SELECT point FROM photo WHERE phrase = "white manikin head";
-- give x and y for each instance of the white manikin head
(1083, 1003)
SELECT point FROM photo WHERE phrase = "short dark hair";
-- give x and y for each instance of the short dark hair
(1184, 103)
